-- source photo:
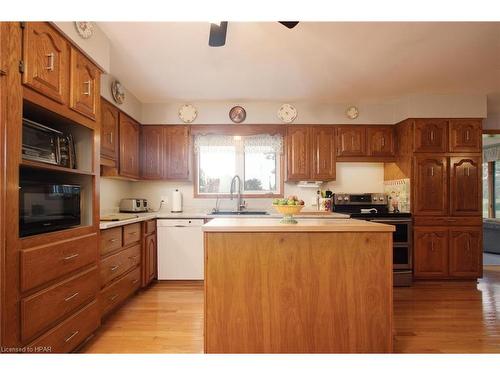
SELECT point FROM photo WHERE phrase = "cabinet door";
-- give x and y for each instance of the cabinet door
(431, 252)
(109, 130)
(152, 152)
(84, 87)
(465, 136)
(151, 258)
(466, 252)
(176, 139)
(380, 140)
(323, 153)
(430, 135)
(351, 141)
(298, 152)
(465, 186)
(45, 56)
(430, 186)
(129, 147)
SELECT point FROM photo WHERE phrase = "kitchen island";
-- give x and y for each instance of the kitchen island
(319, 286)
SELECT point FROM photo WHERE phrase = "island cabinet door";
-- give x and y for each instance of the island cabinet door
(430, 186)
(45, 58)
(465, 186)
(351, 140)
(380, 140)
(431, 252)
(466, 252)
(430, 135)
(152, 152)
(298, 153)
(465, 135)
(323, 153)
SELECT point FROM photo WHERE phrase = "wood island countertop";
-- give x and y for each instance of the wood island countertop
(309, 225)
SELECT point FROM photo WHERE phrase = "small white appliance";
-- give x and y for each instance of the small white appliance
(134, 205)
(180, 249)
(176, 201)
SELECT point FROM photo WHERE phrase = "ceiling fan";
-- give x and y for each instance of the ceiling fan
(218, 31)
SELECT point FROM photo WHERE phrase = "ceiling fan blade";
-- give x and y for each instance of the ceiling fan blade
(217, 36)
(289, 24)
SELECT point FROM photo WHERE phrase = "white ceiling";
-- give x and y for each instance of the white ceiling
(315, 61)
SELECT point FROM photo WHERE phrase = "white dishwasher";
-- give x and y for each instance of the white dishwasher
(180, 249)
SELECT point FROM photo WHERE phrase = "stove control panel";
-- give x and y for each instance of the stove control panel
(360, 199)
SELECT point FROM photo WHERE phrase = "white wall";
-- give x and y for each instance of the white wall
(111, 191)
(132, 106)
(351, 177)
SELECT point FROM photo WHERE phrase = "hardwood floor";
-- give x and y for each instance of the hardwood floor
(429, 317)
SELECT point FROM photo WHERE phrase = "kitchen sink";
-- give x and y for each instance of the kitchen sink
(221, 213)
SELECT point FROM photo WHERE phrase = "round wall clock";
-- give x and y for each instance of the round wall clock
(237, 114)
(287, 113)
(85, 29)
(118, 91)
(188, 113)
(352, 112)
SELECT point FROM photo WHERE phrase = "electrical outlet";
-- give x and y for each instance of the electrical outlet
(164, 198)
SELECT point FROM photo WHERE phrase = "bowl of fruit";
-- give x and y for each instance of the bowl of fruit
(288, 207)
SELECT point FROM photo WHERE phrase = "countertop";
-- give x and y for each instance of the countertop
(310, 225)
(305, 214)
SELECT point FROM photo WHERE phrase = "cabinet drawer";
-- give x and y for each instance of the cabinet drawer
(117, 264)
(42, 309)
(111, 240)
(440, 221)
(131, 233)
(117, 292)
(150, 226)
(70, 333)
(45, 263)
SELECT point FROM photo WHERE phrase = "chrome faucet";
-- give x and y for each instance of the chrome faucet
(239, 204)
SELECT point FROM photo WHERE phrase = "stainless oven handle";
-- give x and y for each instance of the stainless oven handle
(392, 221)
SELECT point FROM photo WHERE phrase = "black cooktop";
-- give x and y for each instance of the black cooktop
(385, 215)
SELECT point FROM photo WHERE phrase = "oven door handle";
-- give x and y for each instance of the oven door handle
(392, 221)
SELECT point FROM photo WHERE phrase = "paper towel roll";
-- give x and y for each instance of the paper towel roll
(176, 201)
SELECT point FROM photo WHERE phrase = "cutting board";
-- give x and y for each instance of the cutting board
(118, 217)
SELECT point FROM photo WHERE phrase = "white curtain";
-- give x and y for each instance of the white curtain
(491, 153)
(251, 143)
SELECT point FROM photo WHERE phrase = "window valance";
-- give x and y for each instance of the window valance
(491, 153)
(251, 143)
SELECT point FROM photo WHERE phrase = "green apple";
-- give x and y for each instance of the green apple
(276, 201)
(291, 202)
(283, 202)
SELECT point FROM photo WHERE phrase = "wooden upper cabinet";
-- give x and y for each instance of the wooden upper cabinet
(84, 87)
(465, 135)
(431, 252)
(430, 135)
(465, 257)
(351, 140)
(465, 186)
(380, 140)
(430, 186)
(45, 57)
(177, 148)
(298, 153)
(110, 122)
(323, 153)
(152, 152)
(129, 147)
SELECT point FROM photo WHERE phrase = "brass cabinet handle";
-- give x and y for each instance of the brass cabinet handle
(467, 171)
(114, 268)
(432, 171)
(111, 137)
(71, 256)
(131, 233)
(67, 299)
(112, 240)
(50, 67)
(432, 135)
(71, 336)
(112, 298)
(383, 142)
(135, 281)
(88, 86)
(467, 135)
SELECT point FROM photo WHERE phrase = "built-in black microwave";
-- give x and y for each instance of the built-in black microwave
(47, 207)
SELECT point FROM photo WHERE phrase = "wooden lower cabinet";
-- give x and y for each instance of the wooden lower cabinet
(431, 252)
(466, 252)
(116, 293)
(450, 252)
(150, 259)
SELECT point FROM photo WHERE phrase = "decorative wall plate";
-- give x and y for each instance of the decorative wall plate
(237, 114)
(352, 112)
(187, 113)
(287, 113)
(85, 29)
(118, 92)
